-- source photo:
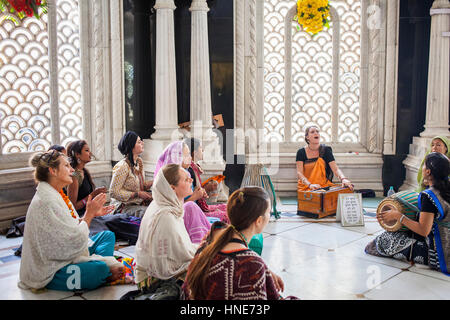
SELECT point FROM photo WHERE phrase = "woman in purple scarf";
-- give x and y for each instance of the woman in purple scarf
(197, 225)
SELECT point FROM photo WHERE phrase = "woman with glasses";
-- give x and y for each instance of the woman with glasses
(82, 185)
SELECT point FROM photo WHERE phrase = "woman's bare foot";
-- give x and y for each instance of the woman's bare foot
(116, 274)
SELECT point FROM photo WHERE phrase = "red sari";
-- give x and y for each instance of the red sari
(217, 210)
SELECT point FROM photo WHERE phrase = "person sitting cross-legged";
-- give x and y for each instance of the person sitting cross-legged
(57, 252)
(164, 248)
(224, 268)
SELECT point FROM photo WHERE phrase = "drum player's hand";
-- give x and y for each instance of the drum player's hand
(314, 186)
(389, 215)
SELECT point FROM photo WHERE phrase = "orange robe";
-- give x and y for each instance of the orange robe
(316, 174)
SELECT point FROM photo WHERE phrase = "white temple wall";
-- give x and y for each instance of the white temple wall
(101, 61)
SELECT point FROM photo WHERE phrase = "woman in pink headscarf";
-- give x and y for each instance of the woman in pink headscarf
(195, 221)
(216, 210)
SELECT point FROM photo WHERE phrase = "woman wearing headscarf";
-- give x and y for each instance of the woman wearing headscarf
(439, 144)
(217, 210)
(130, 193)
(164, 249)
(197, 225)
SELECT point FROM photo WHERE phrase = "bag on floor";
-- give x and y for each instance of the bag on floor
(125, 227)
(165, 290)
(17, 228)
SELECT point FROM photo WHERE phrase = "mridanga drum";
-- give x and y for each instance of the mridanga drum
(403, 201)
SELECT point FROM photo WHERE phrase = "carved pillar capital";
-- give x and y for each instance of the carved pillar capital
(199, 5)
(165, 4)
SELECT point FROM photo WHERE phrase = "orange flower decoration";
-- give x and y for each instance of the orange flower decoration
(67, 201)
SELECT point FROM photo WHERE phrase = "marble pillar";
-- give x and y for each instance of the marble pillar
(200, 103)
(165, 79)
(437, 108)
(166, 113)
(438, 72)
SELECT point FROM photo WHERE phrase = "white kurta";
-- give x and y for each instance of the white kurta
(52, 239)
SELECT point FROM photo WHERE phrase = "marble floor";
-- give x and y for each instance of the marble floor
(317, 260)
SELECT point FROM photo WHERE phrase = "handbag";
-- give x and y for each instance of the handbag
(125, 227)
(164, 290)
(17, 228)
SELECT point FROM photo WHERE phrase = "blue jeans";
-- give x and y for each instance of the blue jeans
(86, 275)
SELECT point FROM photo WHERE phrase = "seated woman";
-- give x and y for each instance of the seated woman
(63, 150)
(130, 193)
(164, 249)
(82, 185)
(428, 239)
(439, 144)
(58, 148)
(197, 225)
(316, 164)
(223, 267)
(57, 252)
(218, 210)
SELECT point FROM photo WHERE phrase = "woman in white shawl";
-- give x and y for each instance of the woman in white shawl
(164, 249)
(57, 252)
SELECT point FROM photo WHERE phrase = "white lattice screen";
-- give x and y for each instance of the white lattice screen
(312, 74)
(24, 81)
(69, 74)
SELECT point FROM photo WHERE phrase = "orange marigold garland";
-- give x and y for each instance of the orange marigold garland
(67, 201)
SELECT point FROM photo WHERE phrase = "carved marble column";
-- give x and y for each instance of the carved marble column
(438, 72)
(437, 108)
(200, 103)
(165, 78)
(166, 113)
(200, 77)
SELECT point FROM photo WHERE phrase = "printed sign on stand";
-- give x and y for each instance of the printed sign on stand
(350, 210)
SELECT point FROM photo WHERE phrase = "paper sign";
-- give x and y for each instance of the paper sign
(350, 210)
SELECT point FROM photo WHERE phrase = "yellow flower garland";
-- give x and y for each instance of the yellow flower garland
(313, 15)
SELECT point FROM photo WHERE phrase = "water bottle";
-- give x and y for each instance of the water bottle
(391, 191)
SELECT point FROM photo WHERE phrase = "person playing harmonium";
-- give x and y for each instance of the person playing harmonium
(316, 164)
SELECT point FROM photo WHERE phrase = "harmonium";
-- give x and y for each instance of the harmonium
(319, 203)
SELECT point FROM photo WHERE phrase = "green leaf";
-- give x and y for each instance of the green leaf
(11, 18)
(3, 5)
